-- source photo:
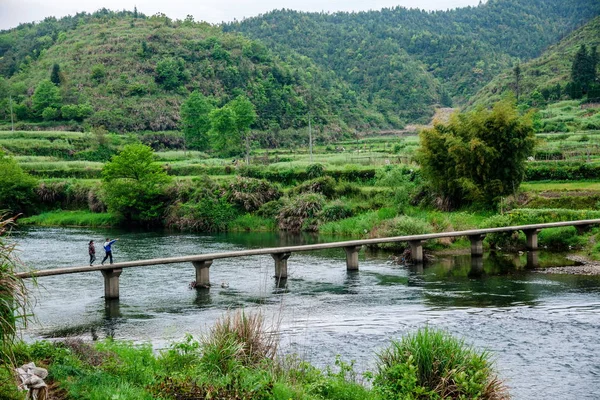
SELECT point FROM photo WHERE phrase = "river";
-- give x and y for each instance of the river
(544, 330)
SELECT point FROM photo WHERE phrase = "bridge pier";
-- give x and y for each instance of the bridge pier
(202, 273)
(111, 283)
(476, 244)
(416, 251)
(532, 238)
(352, 257)
(281, 264)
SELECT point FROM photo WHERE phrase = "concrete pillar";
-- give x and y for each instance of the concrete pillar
(112, 308)
(476, 244)
(352, 257)
(533, 260)
(532, 239)
(202, 273)
(111, 282)
(416, 251)
(281, 264)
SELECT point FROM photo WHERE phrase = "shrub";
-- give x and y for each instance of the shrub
(335, 211)
(250, 194)
(200, 205)
(561, 238)
(270, 209)
(324, 185)
(508, 240)
(432, 364)
(13, 295)
(301, 213)
(400, 226)
(16, 186)
(315, 171)
(238, 340)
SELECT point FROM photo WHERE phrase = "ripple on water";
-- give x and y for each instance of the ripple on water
(541, 329)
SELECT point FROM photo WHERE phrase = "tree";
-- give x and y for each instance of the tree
(584, 70)
(17, 187)
(195, 121)
(517, 72)
(134, 185)
(46, 95)
(245, 115)
(230, 127)
(55, 74)
(171, 73)
(223, 137)
(477, 157)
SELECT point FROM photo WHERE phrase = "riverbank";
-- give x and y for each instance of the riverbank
(587, 267)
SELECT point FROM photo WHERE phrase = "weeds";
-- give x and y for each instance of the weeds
(431, 364)
(13, 295)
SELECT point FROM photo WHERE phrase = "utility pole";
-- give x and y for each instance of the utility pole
(310, 137)
(12, 122)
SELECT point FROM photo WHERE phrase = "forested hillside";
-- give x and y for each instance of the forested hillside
(405, 60)
(127, 72)
(544, 78)
(344, 71)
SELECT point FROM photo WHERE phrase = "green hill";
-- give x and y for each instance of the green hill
(366, 70)
(403, 61)
(542, 74)
(135, 72)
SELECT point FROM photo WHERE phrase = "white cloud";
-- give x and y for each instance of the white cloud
(14, 12)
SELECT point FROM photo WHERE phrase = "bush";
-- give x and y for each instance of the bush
(324, 185)
(300, 213)
(250, 194)
(434, 365)
(335, 211)
(13, 296)
(238, 340)
(400, 226)
(315, 171)
(17, 188)
(200, 205)
(270, 209)
(564, 238)
(508, 240)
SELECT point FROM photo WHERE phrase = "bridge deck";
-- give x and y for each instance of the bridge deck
(293, 249)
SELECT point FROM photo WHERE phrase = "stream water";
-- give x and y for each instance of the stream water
(543, 330)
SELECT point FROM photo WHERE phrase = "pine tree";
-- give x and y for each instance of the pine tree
(55, 75)
(517, 71)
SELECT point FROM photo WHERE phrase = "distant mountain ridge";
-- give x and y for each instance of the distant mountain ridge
(543, 73)
(386, 55)
(347, 71)
(135, 72)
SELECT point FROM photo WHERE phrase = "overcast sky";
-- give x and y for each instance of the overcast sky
(14, 12)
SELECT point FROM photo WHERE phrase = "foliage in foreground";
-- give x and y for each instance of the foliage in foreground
(13, 297)
(238, 359)
(431, 364)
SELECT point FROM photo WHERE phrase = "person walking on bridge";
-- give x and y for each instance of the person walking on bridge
(108, 250)
(92, 251)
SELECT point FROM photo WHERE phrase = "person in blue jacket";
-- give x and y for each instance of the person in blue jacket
(108, 250)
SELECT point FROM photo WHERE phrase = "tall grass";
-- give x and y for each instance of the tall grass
(71, 218)
(238, 360)
(13, 294)
(431, 364)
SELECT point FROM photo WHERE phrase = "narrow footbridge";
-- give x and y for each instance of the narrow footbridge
(202, 262)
